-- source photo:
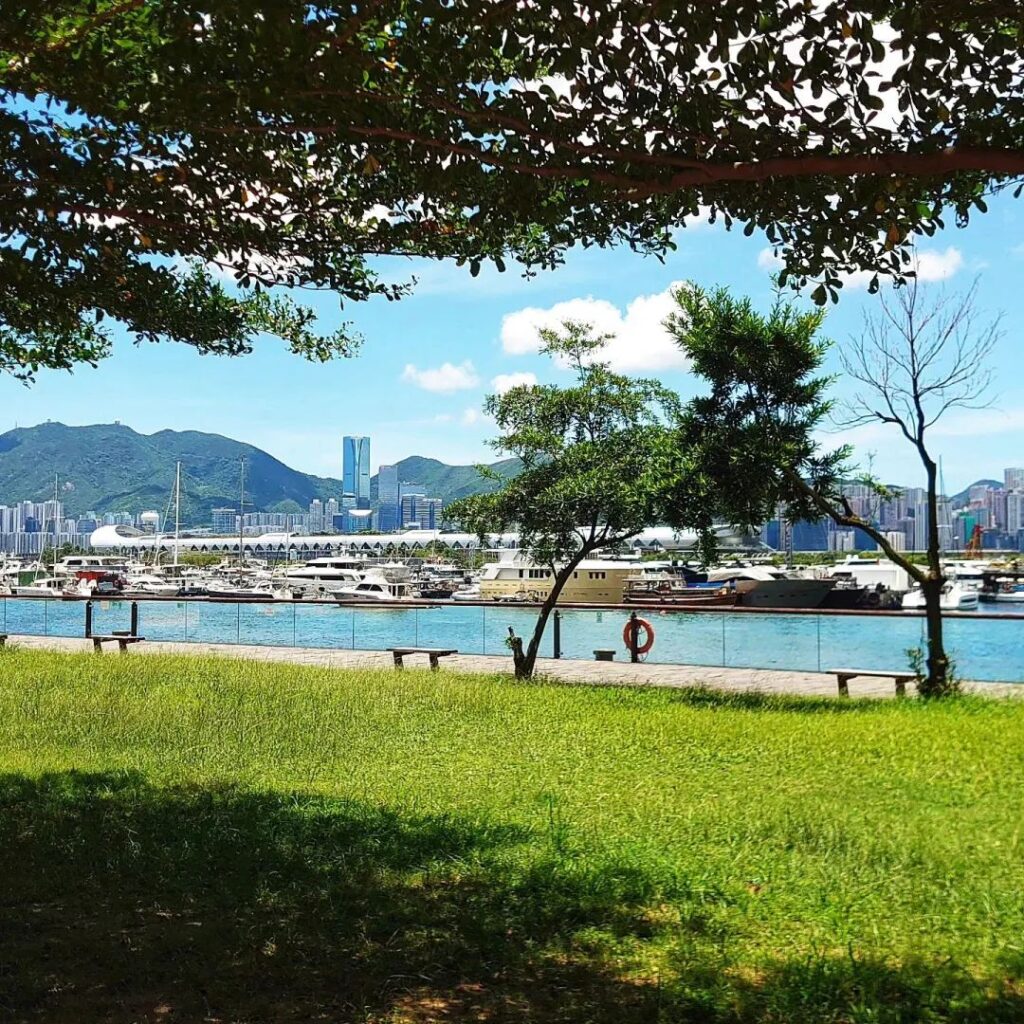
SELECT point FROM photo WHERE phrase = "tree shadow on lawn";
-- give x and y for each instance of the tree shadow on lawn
(122, 901)
(753, 700)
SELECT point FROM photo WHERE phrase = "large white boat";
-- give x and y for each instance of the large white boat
(374, 586)
(45, 586)
(149, 585)
(516, 578)
(322, 576)
(72, 565)
(956, 597)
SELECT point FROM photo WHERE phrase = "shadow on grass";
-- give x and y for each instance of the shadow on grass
(750, 700)
(125, 901)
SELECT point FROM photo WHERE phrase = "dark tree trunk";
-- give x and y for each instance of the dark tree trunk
(525, 662)
(936, 682)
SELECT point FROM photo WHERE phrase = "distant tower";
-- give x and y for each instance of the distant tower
(355, 466)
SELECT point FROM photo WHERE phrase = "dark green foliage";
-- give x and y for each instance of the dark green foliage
(293, 142)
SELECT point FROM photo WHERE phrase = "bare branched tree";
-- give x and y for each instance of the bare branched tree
(919, 356)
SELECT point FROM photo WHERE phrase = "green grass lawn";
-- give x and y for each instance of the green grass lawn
(185, 839)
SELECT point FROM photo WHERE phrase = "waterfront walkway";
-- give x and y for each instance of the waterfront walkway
(736, 680)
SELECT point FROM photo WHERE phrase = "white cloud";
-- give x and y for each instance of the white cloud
(933, 265)
(506, 381)
(445, 378)
(640, 340)
(471, 417)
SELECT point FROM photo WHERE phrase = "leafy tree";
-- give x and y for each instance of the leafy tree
(754, 433)
(290, 143)
(598, 458)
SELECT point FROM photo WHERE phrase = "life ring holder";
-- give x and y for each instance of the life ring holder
(641, 624)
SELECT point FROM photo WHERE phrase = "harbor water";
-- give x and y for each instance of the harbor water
(984, 648)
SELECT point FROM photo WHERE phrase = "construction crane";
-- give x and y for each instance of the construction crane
(973, 546)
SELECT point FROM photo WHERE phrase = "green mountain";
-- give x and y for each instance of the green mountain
(440, 480)
(112, 468)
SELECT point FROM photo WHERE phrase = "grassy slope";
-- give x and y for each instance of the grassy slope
(184, 838)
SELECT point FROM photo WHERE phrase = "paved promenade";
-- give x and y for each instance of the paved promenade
(585, 672)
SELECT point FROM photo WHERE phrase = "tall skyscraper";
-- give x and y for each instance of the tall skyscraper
(355, 469)
(388, 498)
(1014, 479)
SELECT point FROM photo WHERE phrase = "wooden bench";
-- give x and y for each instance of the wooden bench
(844, 675)
(604, 654)
(121, 639)
(434, 653)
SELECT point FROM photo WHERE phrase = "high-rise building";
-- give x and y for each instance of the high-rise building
(355, 468)
(224, 520)
(1013, 479)
(1014, 511)
(387, 499)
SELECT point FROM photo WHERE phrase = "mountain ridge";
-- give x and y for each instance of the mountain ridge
(109, 467)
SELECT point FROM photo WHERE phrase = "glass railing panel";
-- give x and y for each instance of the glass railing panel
(376, 629)
(323, 624)
(458, 627)
(26, 616)
(771, 640)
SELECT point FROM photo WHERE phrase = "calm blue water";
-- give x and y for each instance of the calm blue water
(984, 649)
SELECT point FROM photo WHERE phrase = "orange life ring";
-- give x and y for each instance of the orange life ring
(648, 639)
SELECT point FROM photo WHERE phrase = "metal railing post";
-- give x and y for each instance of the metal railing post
(634, 630)
(817, 619)
(88, 619)
(135, 619)
(238, 622)
(556, 634)
(723, 640)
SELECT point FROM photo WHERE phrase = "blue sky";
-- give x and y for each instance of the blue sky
(427, 362)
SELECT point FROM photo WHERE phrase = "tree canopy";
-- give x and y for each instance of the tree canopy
(291, 142)
(598, 457)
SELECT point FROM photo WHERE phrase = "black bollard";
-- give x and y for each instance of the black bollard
(634, 630)
(556, 634)
(88, 619)
(135, 618)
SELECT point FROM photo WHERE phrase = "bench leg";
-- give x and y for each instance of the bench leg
(901, 687)
(97, 647)
(123, 646)
(844, 685)
(434, 663)
(398, 661)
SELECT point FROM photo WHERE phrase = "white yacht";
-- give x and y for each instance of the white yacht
(322, 576)
(374, 586)
(956, 597)
(147, 584)
(74, 564)
(45, 586)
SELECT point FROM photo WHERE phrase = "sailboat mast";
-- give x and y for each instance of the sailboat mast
(241, 512)
(177, 509)
(56, 525)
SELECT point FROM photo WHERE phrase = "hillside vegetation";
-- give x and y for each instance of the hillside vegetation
(189, 839)
(110, 467)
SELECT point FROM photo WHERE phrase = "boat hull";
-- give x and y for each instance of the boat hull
(782, 593)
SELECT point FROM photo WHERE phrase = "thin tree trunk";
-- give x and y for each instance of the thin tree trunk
(937, 681)
(524, 662)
